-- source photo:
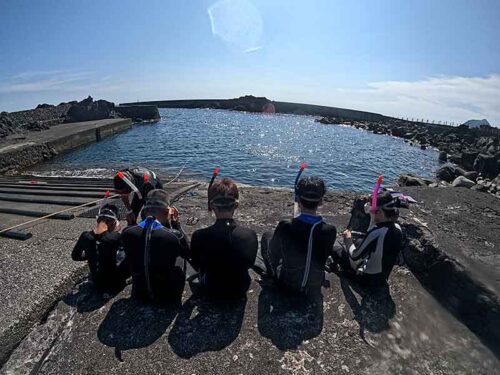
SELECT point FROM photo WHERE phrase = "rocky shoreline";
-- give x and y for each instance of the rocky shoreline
(470, 157)
(44, 116)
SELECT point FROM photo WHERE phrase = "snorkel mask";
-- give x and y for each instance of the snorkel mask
(130, 184)
(105, 211)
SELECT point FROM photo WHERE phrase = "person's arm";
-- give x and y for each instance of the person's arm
(368, 245)
(81, 247)
(131, 218)
(276, 246)
(181, 235)
(251, 248)
(333, 238)
(196, 245)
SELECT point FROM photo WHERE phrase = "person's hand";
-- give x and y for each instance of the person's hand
(347, 234)
(173, 214)
(101, 227)
(131, 219)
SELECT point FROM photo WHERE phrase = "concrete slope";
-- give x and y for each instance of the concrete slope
(346, 330)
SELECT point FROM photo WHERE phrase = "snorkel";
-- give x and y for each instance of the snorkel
(214, 176)
(296, 210)
(373, 207)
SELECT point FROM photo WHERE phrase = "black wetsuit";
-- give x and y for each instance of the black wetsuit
(371, 261)
(100, 251)
(158, 274)
(144, 188)
(285, 252)
(223, 253)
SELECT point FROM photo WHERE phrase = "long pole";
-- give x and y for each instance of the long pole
(56, 213)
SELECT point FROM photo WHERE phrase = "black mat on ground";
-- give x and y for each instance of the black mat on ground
(92, 213)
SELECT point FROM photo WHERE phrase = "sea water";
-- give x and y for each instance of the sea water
(254, 149)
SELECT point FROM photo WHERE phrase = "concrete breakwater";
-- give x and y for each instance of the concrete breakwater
(251, 103)
(35, 147)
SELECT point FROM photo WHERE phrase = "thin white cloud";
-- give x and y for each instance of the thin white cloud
(31, 82)
(451, 99)
(253, 49)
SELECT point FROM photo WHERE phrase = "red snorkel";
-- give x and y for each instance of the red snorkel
(214, 176)
(373, 207)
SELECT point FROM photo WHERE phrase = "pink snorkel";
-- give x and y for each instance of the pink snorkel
(375, 194)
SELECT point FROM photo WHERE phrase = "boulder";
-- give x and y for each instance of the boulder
(487, 165)
(472, 175)
(412, 180)
(88, 110)
(446, 173)
(443, 156)
(461, 181)
(468, 158)
(479, 187)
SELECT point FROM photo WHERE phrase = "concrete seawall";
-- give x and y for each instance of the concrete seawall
(281, 107)
(35, 147)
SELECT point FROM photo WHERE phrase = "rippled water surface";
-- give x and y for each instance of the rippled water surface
(255, 149)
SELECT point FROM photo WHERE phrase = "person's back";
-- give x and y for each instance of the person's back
(371, 260)
(297, 264)
(224, 252)
(155, 252)
(296, 253)
(99, 248)
(375, 257)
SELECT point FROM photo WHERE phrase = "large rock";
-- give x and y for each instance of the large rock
(88, 110)
(412, 180)
(462, 181)
(487, 165)
(468, 158)
(446, 173)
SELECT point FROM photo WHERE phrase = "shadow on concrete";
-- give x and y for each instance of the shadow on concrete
(87, 298)
(375, 309)
(206, 325)
(454, 286)
(131, 324)
(288, 319)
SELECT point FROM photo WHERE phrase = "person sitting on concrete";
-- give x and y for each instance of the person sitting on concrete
(224, 252)
(101, 249)
(135, 182)
(296, 253)
(156, 249)
(371, 260)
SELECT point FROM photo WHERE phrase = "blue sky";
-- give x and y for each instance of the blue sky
(429, 59)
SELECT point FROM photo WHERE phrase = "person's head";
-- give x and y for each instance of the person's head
(109, 215)
(387, 208)
(157, 205)
(310, 192)
(223, 198)
(120, 185)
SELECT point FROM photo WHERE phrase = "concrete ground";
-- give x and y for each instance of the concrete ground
(54, 133)
(347, 330)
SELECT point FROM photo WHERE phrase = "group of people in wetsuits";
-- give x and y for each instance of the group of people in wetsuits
(156, 253)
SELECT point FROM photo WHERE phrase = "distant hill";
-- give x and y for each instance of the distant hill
(477, 123)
